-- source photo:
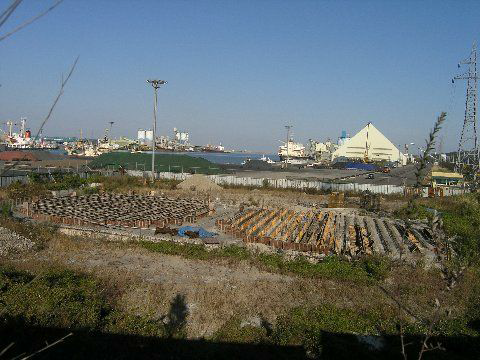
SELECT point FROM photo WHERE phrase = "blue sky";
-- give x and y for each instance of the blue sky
(238, 71)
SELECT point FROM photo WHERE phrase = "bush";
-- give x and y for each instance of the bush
(65, 182)
(6, 210)
(18, 190)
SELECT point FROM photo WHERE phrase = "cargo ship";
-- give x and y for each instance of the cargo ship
(293, 151)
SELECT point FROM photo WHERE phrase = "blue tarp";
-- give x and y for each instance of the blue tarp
(360, 166)
(201, 231)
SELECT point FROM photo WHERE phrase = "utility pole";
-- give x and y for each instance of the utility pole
(156, 84)
(288, 127)
(468, 147)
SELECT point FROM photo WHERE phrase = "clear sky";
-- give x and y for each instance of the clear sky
(238, 71)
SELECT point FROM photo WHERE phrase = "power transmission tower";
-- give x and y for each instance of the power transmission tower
(468, 149)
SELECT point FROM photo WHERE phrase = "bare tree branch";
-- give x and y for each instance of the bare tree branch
(399, 304)
(47, 347)
(6, 348)
(60, 93)
(9, 11)
(18, 356)
(28, 22)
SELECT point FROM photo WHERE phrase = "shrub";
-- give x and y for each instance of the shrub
(18, 190)
(6, 210)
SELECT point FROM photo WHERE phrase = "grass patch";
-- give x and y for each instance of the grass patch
(56, 298)
(196, 251)
(331, 267)
(330, 331)
(233, 331)
(310, 327)
(60, 298)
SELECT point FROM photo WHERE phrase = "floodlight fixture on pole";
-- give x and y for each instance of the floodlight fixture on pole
(288, 127)
(156, 84)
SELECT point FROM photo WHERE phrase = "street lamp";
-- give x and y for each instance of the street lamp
(156, 84)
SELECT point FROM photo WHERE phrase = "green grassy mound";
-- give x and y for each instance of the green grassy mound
(163, 162)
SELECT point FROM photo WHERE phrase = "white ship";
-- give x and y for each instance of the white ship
(23, 139)
(292, 150)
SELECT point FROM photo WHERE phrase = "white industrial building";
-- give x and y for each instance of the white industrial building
(144, 137)
(369, 144)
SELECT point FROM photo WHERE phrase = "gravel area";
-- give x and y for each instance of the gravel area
(199, 183)
(12, 243)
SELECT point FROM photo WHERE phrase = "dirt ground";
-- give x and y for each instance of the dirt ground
(146, 282)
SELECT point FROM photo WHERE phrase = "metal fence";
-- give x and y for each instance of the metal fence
(303, 184)
(7, 180)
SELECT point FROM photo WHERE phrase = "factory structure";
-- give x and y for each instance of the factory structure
(369, 145)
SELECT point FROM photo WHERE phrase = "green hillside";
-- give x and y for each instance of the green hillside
(163, 162)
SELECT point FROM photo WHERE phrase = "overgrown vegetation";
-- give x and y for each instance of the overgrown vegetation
(330, 331)
(54, 298)
(62, 298)
(461, 220)
(41, 186)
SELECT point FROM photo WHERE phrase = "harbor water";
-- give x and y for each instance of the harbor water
(217, 158)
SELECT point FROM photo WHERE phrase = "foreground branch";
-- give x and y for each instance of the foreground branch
(28, 22)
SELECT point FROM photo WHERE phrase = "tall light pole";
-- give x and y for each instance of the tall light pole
(156, 84)
(288, 127)
(110, 134)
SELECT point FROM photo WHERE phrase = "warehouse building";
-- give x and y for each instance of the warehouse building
(369, 144)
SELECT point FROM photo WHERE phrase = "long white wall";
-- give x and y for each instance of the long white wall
(294, 184)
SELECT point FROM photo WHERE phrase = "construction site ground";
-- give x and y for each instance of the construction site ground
(145, 283)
